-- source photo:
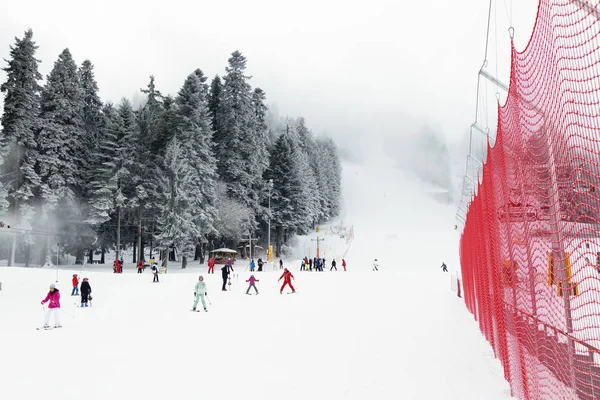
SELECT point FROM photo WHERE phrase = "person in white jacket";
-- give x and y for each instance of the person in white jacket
(199, 293)
(375, 265)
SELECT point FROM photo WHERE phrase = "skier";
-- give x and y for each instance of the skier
(155, 272)
(75, 290)
(225, 271)
(333, 265)
(199, 293)
(86, 291)
(211, 265)
(140, 267)
(287, 280)
(260, 264)
(251, 280)
(280, 263)
(303, 266)
(116, 266)
(252, 265)
(375, 265)
(310, 262)
(444, 267)
(344, 264)
(53, 297)
(323, 264)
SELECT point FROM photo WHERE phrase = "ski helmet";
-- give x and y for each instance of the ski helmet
(53, 286)
(200, 278)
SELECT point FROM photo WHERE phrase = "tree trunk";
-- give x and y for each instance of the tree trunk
(134, 252)
(279, 235)
(27, 256)
(151, 237)
(91, 256)
(139, 234)
(184, 262)
(118, 233)
(102, 260)
(202, 251)
(79, 254)
(197, 251)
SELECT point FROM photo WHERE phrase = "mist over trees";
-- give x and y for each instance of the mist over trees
(176, 176)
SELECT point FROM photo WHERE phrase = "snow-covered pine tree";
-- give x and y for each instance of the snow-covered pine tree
(147, 120)
(20, 121)
(92, 108)
(61, 134)
(233, 215)
(214, 99)
(334, 177)
(92, 122)
(308, 204)
(176, 226)
(236, 159)
(102, 189)
(194, 135)
(114, 184)
(260, 143)
(166, 126)
(283, 171)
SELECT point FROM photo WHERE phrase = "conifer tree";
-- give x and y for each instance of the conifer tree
(20, 181)
(61, 134)
(214, 100)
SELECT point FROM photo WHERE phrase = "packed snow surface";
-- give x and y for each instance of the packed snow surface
(399, 333)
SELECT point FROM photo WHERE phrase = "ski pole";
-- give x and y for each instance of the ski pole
(209, 303)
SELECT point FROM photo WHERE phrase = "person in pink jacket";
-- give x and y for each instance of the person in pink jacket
(53, 300)
(252, 285)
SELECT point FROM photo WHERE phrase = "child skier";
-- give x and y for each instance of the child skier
(333, 265)
(199, 293)
(344, 264)
(86, 291)
(211, 265)
(252, 265)
(140, 267)
(444, 267)
(287, 280)
(53, 297)
(75, 290)
(375, 265)
(252, 285)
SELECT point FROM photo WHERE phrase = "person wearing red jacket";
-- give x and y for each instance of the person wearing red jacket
(140, 266)
(211, 265)
(287, 280)
(75, 290)
(344, 264)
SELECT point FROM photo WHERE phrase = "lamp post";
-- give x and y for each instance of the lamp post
(269, 249)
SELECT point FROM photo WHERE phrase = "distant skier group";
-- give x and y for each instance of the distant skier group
(307, 264)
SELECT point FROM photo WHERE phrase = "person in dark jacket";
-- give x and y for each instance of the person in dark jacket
(260, 264)
(225, 271)
(86, 291)
(333, 265)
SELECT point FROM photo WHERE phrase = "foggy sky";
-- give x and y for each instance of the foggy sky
(354, 70)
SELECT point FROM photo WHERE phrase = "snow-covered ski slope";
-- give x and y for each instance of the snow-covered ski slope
(399, 333)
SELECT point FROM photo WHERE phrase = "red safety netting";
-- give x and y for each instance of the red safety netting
(530, 250)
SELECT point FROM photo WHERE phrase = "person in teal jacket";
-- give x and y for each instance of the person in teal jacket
(199, 293)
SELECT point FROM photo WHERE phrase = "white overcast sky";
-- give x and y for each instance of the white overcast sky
(352, 69)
